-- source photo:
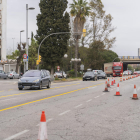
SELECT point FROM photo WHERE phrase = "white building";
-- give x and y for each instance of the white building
(3, 30)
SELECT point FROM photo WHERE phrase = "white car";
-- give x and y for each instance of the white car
(125, 73)
(13, 75)
(59, 74)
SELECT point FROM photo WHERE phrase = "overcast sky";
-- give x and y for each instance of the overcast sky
(125, 14)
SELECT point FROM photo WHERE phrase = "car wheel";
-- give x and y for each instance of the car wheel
(49, 85)
(40, 87)
(83, 80)
(20, 88)
(94, 79)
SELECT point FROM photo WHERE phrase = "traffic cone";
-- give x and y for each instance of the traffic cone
(123, 78)
(135, 97)
(112, 83)
(120, 79)
(108, 84)
(126, 78)
(42, 135)
(118, 91)
(106, 88)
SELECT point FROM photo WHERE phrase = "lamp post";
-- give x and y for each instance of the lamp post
(20, 37)
(75, 60)
(65, 56)
(31, 8)
(13, 44)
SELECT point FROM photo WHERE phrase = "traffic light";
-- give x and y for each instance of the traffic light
(84, 32)
(39, 58)
(37, 62)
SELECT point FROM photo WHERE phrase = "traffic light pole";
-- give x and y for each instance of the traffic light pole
(84, 31)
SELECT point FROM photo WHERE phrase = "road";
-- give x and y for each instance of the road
(78, 110)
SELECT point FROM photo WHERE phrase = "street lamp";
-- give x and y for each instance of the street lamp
(13, 44)
(31, 8)
(65, 56)
(20, 37)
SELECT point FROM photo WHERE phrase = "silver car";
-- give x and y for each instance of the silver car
(3, 74)
(13, 75)
(100, 74)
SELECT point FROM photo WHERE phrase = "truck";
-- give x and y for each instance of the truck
(114, 69)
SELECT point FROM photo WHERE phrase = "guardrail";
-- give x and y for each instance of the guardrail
(129, 57)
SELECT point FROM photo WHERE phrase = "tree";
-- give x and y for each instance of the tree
(53, 18)
(79, 10)
(102, 24)
(14, 55)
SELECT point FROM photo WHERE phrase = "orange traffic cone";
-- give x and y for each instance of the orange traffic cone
(135, 97)
(106, 88)
(42, 135)
(112, 83)
(120, 79)
(118, 91)
(126, 78)
(108, 84)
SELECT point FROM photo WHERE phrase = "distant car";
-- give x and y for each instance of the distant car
(125, 73)
(3, 74)
(100, 74)
(13, 75)
(59, 74)
(35, 79)
(136, 72)
(89, 76)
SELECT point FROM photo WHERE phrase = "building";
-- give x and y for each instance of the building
(3, 30)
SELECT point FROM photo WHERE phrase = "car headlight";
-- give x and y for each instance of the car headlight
(19, 80)
(36, 80)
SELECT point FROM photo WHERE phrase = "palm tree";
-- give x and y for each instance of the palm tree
(79, 10)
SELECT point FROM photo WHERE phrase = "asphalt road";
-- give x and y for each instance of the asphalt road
(77, 110)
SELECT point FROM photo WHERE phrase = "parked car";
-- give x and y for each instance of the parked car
(59, 74)
(89, 76)
(125, 73)
(3, 74)
(35, 79)
(100, 74)
(13, 75)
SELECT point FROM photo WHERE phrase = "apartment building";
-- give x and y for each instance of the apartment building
(3, 29)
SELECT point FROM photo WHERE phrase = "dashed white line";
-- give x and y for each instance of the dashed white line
(97, 97)
(89, 100)
(64, 113)
(16, 135)
(103, 93)
(78, 106)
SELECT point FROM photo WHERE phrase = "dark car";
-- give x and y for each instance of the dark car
(89, 76)
(100, 74)
(35, 79)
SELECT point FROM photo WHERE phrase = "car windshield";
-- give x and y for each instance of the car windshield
(32, 74)
(125, 72)
(88, 73)
(117, 68)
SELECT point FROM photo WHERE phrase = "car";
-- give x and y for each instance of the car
(59, 74)
(90, 76)
(35, 79)
(13, 75)
(100, 74)
(3, 74)
(125, 73)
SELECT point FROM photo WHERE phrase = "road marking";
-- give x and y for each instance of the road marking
(2, 91)
(10, 89)
(64, 113)
(97, 97)
(7, 99)
(103, 93)
(46, 121)
(44, 99)
(89, 100)
(78, 106)
(15, 82)
(91, 87)
(16, 135)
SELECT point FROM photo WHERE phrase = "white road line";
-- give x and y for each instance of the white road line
(103, 93)
(91, 87)
(15, 82)
(78, 106)
(97, 97)
(46, 121)
(16, 135)
(7, 99)
(64, 113)
(89, 100)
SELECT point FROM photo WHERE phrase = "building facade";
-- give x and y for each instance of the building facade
(3, 29)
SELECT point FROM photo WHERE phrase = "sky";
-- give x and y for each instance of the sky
(125, 14)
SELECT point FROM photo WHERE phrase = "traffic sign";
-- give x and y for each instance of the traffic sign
(25, 60)
(81, 67)
(25, 56)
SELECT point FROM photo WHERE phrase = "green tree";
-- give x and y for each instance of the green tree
(53, 18)
(79, 10)
(14, 55)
